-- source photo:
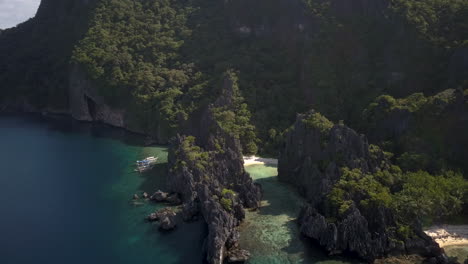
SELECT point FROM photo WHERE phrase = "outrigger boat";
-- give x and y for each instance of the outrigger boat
(146, 164)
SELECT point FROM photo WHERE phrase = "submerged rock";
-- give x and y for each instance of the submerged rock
(167, 223)
(174, 199)
(160, 214)
(159, 196)
(238, 256)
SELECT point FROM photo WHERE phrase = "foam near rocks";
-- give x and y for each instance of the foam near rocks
(252, 160)
(449, 235)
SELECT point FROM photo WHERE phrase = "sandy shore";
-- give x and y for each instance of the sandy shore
(258, 160)
(449, 235)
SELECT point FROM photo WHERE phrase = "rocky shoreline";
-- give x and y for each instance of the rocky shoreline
(449, 235)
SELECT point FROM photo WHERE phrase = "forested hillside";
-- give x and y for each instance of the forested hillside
(231, 77)
(162, 60)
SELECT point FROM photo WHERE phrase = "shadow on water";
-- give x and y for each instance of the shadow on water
(281, 198)
(155, 179)
(267, 165)
(187, 238)
(67, 125)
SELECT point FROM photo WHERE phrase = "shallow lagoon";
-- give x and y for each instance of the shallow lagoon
(271, 233)
(459, 252)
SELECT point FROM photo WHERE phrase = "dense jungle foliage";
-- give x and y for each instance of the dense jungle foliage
(410, 195)
(161, 60)
(424, 132)
(169, 55)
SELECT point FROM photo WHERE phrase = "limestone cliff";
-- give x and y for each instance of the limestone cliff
(207, 172)
(313, 159)
(35, 55)
(315, 150)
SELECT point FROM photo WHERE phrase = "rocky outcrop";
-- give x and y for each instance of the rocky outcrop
(167, 218)
(161, 196)
(315, 150)
(354, 235)
(312, 158)
(207, 172)
(87, 105)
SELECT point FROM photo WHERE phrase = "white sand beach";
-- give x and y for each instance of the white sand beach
(258, 160)
(449, 235)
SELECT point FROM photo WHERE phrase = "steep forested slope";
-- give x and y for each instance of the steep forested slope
(158, 59)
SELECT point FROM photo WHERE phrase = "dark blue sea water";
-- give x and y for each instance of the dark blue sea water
(65, 197)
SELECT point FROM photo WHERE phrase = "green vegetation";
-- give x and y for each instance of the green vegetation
(363, 190)
(161, 61)
(444, 22)
(193, 153)
(424, 132)
(318, 121)
(168, 57)
(413, 161)
(132, 50)
(226, 203)
(234, 119)
(226, 199)
(225, 192)
(430, 197)
(412, 195)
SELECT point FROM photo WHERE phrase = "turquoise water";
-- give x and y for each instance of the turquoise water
(271, 234)
(459, 252)
(65, 197)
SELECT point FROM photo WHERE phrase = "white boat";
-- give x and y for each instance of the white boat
(146, 164)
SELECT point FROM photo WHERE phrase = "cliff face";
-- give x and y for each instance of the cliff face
(335, 50)
(316, 157)
(368, 235)
(35, 55)
(315, 150)
(208, 173)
